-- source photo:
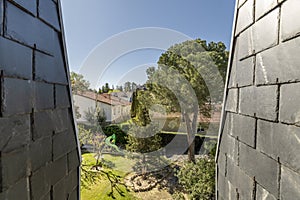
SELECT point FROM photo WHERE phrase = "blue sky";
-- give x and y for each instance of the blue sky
(88, 23)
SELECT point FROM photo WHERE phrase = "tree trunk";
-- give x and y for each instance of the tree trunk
(144, 168)
(195, 120)
(98, 158)
(190, 139)
(99, 155)
(191, 152)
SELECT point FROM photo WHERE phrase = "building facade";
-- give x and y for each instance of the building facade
(115, 109)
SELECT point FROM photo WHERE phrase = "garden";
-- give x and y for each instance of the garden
(130, 173)
(167, 147)
(117, 180)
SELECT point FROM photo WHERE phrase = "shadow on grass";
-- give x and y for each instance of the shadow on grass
(88, 177)
(115, 183)
(108, 163)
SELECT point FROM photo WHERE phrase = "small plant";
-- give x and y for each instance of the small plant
(198, 180)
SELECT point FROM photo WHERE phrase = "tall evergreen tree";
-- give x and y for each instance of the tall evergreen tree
(182, 80)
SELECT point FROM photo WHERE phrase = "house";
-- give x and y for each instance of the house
(116, 109)
(127, 96)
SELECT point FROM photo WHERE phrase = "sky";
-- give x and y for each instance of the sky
(116, 40)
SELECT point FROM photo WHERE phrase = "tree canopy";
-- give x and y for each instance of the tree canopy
(79, 84)
(189, 76)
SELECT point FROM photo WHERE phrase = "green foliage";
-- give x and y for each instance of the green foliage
(198, 180)
(114, 129)
(213, 150)
(210, 147)
(134, 105)
(140, 108)
(192, 64)
(107, 182)
(115, 90)
(178, 196)
(78, 83)
(87, 176)
(143, 138)
(106, 88)
(189, 76)
(142, 134)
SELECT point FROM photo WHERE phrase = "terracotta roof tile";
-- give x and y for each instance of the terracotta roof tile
(104, 98)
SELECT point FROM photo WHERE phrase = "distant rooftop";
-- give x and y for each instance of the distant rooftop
(104, 98)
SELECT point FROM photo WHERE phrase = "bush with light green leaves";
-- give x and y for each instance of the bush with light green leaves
(198, 180)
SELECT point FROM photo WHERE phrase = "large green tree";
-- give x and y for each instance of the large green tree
(188, 78)
(143, 133)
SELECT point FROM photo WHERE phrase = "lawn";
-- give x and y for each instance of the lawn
(117, 168)
(107, 187)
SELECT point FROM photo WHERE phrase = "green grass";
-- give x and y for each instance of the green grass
(117, 166)
(101, 189)
(88, 159)
(121, 164)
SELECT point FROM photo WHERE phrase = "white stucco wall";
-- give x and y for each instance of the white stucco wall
(83, 104)
(113, 113)
(107, 109)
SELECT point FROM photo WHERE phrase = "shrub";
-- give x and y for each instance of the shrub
(143, 139)
(114, 129)
(198, 180)
(210, 147)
